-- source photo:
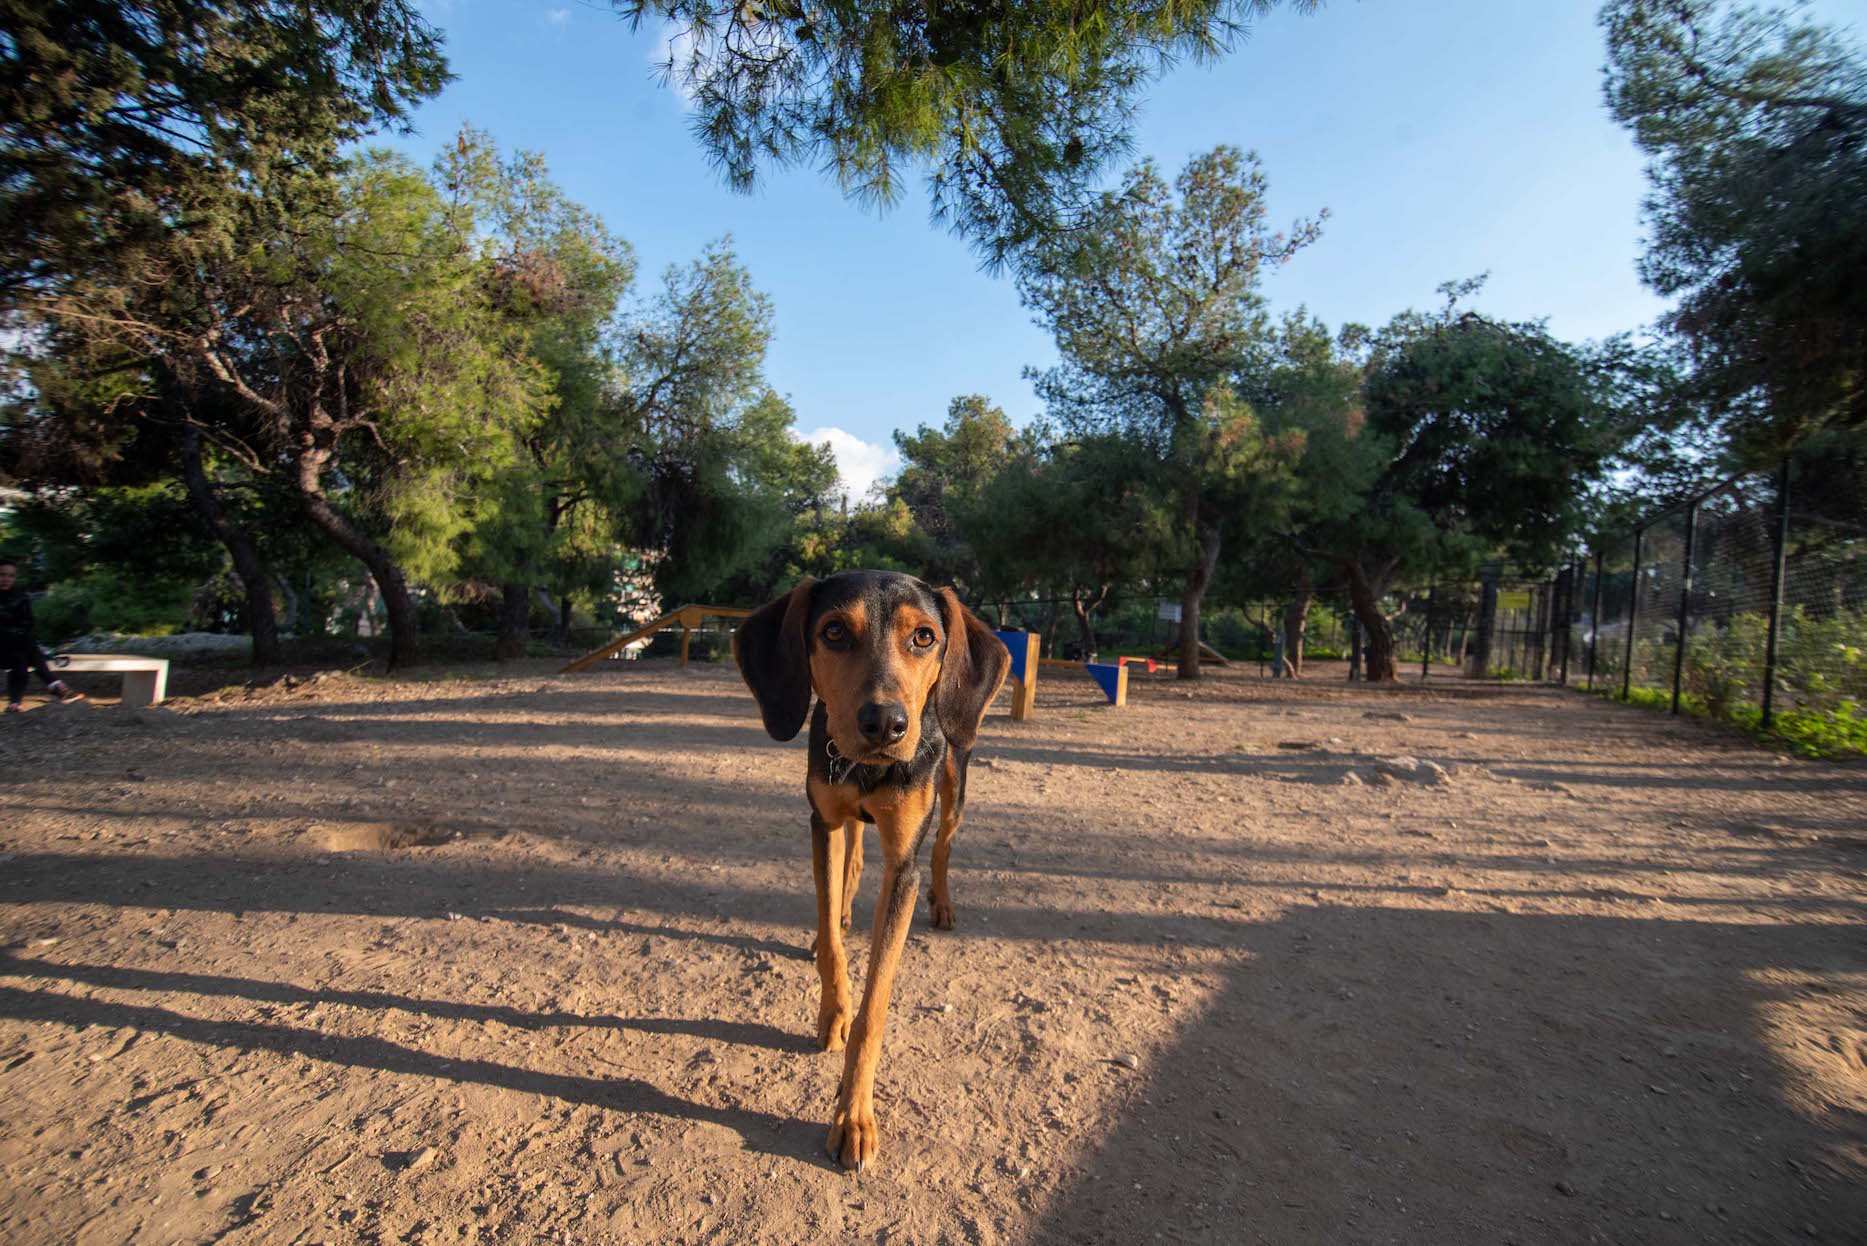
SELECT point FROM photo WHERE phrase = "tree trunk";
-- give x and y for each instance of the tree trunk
(1365, 599)
(288, 605)
(404, 635)
(1296, 626)
(246, 564)
(1085, 631)
(1207, 535)
(564, 619)
(515, 622)
(1478, 664)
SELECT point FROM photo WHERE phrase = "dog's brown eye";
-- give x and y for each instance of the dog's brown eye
(835, 632)
(924, 638)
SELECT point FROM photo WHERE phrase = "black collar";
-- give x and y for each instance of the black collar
(915, 771)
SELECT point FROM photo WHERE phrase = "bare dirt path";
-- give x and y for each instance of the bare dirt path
(523, 958)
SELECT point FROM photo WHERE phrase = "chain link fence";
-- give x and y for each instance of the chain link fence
(1746, 603)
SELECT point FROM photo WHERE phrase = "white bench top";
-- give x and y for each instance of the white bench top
(107, 662)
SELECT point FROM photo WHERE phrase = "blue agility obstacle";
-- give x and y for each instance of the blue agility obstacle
(1023, 648)
(1112, 678)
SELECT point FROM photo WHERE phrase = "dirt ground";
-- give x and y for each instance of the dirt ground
(513, 957)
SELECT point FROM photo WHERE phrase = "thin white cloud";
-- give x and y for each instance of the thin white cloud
(672, 56)
(677, 50)
(860, 464)
(557, 17)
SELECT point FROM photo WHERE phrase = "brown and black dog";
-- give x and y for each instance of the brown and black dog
(902, 675)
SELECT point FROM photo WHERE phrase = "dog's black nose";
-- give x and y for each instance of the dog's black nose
(882, 724)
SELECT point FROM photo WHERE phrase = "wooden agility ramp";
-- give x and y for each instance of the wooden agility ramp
(688, 617)
(1172, 654)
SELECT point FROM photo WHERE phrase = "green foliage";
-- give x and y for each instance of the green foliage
(722, 479)
(1498, 431)
(1075, 519)
(128, 125)
(63, 613)
(1019, 110)
(1724, 664)
(1457, 441)
(548, 515)
(123, 558)
(943, 473)
(1235, 635)
(888, 537)
(1155, 306)
(1840, 732)
(1822, 661)
(1156, 301)
(1755, 129)
(1821, 676)
(106, 600)
(436, 376)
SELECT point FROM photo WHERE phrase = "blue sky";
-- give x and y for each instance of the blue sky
(1447, 139)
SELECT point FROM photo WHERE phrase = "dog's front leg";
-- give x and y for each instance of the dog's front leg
(852, 865)
(854, 1137)
(939, 896)
(826, 861)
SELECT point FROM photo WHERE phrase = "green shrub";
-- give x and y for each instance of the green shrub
(1723, 665)
(1822, 663)
(62, 613)
(1227, 631)
(104, 601)
(1837, 732)
(1844, 730)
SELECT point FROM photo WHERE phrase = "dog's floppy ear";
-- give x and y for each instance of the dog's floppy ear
(769, 647)
(974, 670)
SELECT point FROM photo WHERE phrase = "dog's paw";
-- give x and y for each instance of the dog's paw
(942, 908)
(833, 1019)
(854, 1137)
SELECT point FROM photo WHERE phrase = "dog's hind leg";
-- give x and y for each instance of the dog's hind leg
(826, 861)
(852, 864)
(952, 788)
(854, 1136)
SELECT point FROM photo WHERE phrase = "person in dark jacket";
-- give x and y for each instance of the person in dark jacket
(18, 647)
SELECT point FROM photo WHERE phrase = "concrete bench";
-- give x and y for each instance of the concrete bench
(145, 680)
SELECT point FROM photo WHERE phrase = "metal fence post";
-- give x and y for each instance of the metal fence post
(1260, 644)
(1553, 663)
(1594, 621)
(1533, 636)
(1633, 619)
(1354, 645)
(1685, 600)
(1426, 651)
(1545, 627)
(1776, 592)
(1568, 616)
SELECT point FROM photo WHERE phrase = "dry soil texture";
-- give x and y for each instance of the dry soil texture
(523, 958)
